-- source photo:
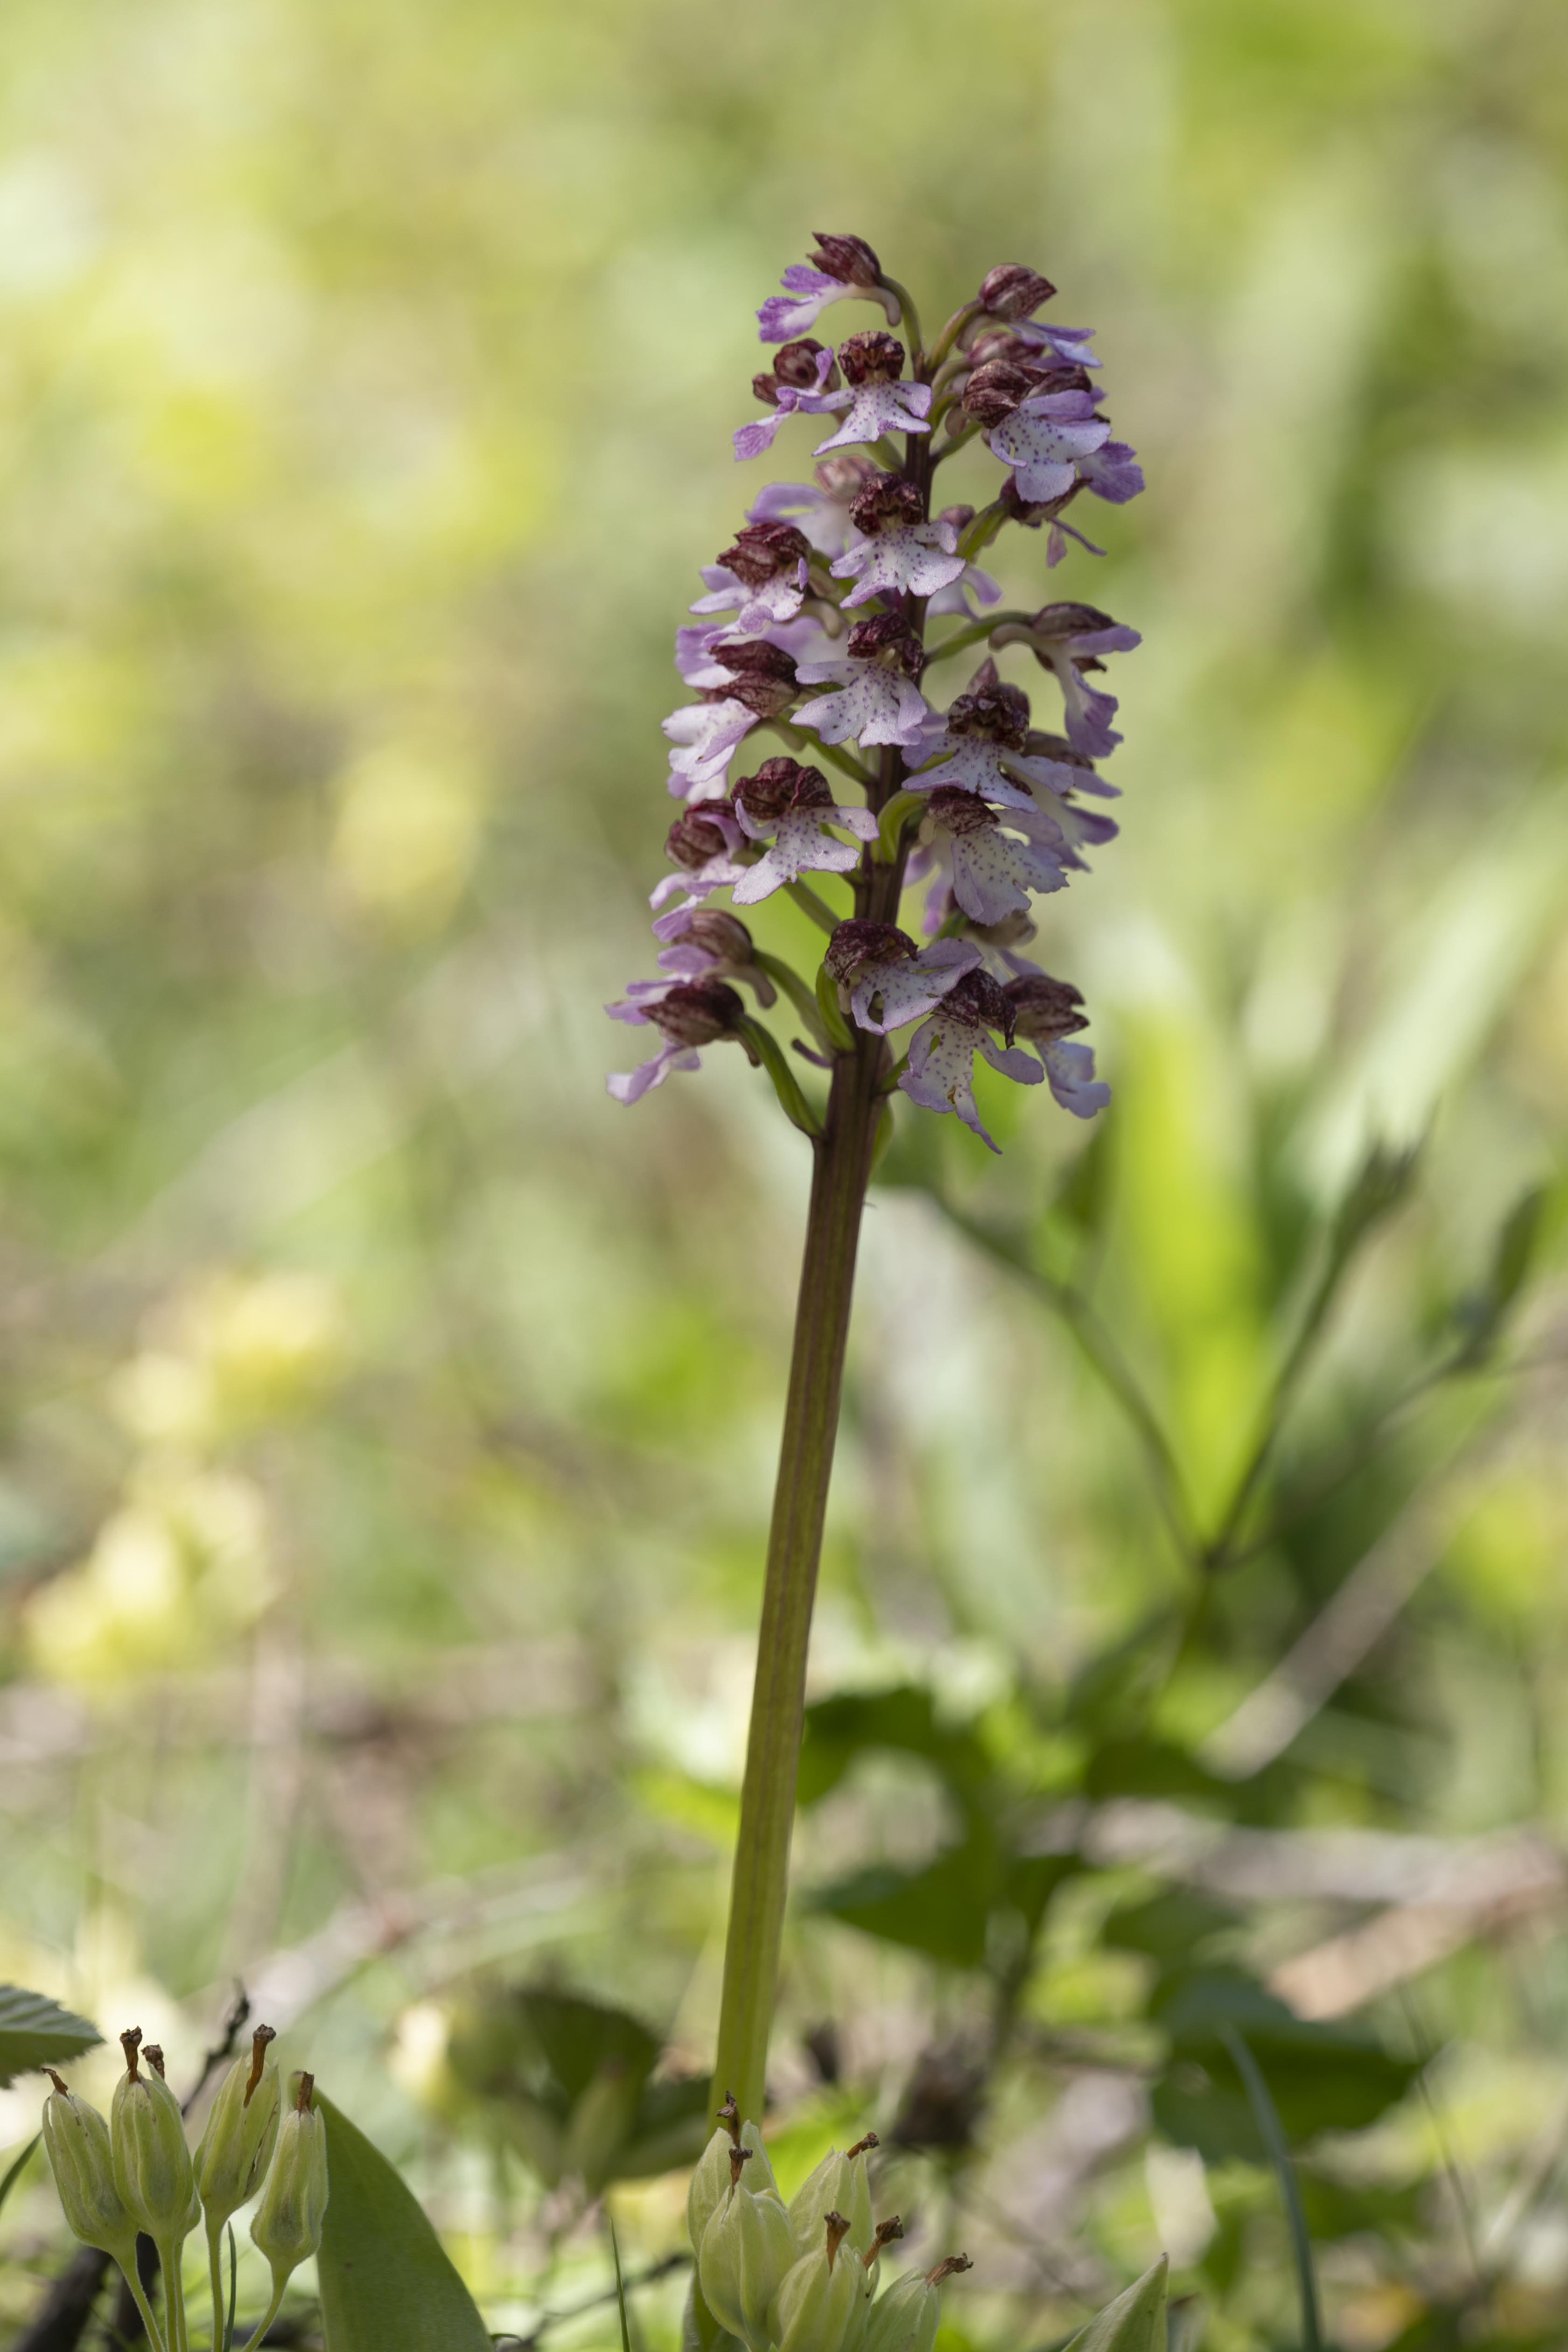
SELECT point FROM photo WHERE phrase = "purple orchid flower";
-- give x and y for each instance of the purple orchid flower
(793, 804)
(940, 1072)
(1045, 1011)
(702, 842)
(762, 579)
(990, 872)
(1111, 472)
(800, 376)
(898, 553)
(845, 270)
(1045, 437)
(876, 402)
(982, 745)
(760, 683)
(706, 943)
(885, 981)
(1070, 639)
(699, 1013)
(819, 508)
(878, 700)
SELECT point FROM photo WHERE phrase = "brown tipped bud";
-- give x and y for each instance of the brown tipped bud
(694, 839)
(887, 637)
(723, 935)
(739, 2160)
(837, 2229)
(698, 1014)
(993, 391)
(761, 552)
(1069, 620)
(730, 2117)
(130, 2042)
(795, 363)
(853, 945)
(862, 2147)
(979, 997)
(844, 473)
(762, 677)
(1012, 292)
(994, 712)
(871, 357)
(887, 2232)
(887, 503)
(59, 2082)
(779, 786)
(848, 258)
(154, 2056)
(1045, 1008)
(948, 2269)
(260, 2041)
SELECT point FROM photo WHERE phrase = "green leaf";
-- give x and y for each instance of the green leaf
(939, 1910)
(1135, 2322)
(1483, 1314)
(387, 2283)
(36, 2032)
(837, 1730)
(1320, 2076)
(1169, 1926)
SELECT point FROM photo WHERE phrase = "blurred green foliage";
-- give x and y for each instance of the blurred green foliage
(389, 1418)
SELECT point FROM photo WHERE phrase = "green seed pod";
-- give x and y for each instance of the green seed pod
(840, 2184)
(746, 2248)
(286, 2225)
(153, 2169)
(242, 2131)
(76, 2141)
(905, 2320)
(819, 2307)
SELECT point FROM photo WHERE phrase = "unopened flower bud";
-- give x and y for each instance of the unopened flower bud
(762, 552)
(888, 502)
(286, 2225)
(887, 637)
(992, 711)
(905, 2320)
(698, 1012)
(779, 786)
(871, 357)
(848, 258)
(76, 2141)
(859, 942)
(995, 390)
(747, 2248)
(818, 2306)
(1012, 292)
(840, 2184)
(153, 2169)
(762, 676)
(1044, 1008)
(241, 2132)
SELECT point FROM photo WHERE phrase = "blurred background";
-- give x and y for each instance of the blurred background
(389, 1418)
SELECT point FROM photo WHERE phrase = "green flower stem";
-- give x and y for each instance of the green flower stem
(174, 2294)
(804, 998)
(843, 1160)
(765, 1046)
(911, 322)
(951, 331)
(973, 634)
(139, 2297)
(215, 2272)
(806, 900)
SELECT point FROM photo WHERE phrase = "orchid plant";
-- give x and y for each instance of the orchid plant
(826, 625)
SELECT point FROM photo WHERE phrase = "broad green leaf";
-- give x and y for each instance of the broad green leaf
(36, 2032)
(1320, 2076)
(940, 1910)
(1135, 2322)
(387, 2282)
(904, 1719)
(1170, 1927)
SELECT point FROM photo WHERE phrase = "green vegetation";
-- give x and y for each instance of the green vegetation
(389, 1420)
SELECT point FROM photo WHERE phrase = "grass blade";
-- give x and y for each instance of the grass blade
(232, 2281)
(18, 2165)
(620, 2289)
(1271, 2132)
